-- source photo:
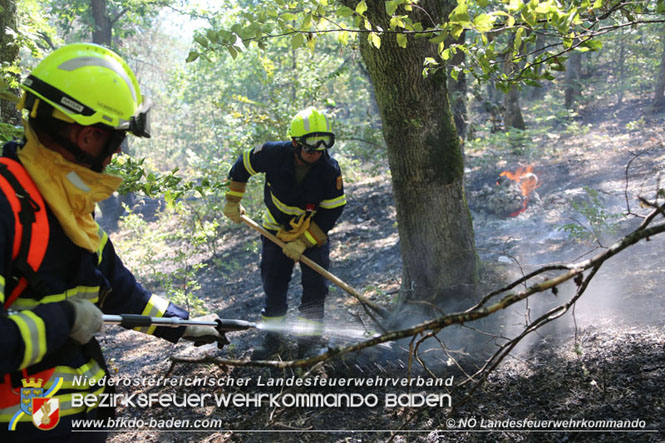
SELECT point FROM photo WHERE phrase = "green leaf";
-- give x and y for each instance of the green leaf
(391, 6)
(374, 39)
(193, 55)
(460, 15)
(401, 40)
(343, 37)
(212, 36)
(344, 11)
(307, 22)
(233, 51)
(288, 16)
(545, 8)
(457, 30)
(438, 38)
(297, 40)
(445, 54)
(515, 5)
(483, 22)
(361, 7)
(518, 39)
(201, 41)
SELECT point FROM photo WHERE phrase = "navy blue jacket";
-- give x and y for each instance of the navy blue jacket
(321, 190)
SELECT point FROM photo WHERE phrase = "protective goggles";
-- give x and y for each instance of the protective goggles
(139, 123)
(316, 141)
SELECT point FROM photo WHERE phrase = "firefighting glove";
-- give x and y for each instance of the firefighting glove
(294, 249)
(202, 335)
(87, 320)
(233, 209)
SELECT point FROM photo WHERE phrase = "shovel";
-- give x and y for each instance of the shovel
(317, 268)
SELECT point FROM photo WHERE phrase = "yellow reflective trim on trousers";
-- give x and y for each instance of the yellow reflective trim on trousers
(156, 307)
(246, 163)
(104, 239)
(90, 293)
(291, 210)
(2, 289)
(333, 203)
(33, 333)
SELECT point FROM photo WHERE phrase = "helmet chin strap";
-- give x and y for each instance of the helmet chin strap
(96, 162)
(298, 150)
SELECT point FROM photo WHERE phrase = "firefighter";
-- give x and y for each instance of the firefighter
(58, 268)
(304, 197)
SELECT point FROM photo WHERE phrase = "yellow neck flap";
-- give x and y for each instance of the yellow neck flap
(70, 190)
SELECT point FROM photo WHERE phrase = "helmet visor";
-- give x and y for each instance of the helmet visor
(316, 141)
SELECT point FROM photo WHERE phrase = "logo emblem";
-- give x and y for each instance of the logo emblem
(31, 389)
(47, 412)
(340, 183)
(44, 409)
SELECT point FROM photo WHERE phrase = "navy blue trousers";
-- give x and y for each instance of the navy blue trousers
(276, 270)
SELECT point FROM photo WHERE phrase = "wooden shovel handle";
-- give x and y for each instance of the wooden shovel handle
(317, 268)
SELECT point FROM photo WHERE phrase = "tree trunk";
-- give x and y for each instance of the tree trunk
(535, 92)
(457, 91)
(621, 63)
(659, 95)
(8, 56)
(512, 113)
(102, 32)
(434, 222)
(573, 72)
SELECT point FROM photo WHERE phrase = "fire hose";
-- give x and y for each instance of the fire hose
(138, 321)
(222, 325)
(317, 268)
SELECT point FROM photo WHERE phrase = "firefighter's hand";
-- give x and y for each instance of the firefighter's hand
(294, 249)
(202, 335)
(233, 210)
(87, 320)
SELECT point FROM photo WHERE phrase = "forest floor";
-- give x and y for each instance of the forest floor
(604, 361)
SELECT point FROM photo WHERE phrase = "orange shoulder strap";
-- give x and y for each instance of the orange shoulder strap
(31, 229)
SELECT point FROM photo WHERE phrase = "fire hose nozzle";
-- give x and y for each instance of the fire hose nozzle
(225, 325)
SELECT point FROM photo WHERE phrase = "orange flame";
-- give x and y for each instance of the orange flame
(528, 182)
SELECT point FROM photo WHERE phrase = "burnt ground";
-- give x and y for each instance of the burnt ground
(604, 361)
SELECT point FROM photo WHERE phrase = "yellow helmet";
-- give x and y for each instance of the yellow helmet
(311, 129)
(90, 85)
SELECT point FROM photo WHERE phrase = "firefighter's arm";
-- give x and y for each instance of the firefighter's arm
(251, 162)
(126, 296)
